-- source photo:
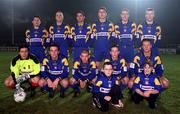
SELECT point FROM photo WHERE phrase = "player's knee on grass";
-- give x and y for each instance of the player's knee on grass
(9, 83)
(164, 82)
(64, 83)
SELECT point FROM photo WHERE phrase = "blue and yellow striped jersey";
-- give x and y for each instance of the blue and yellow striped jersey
(147, 82)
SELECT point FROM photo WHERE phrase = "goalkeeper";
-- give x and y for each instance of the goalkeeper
(24, 68)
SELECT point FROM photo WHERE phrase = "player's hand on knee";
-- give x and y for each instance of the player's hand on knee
(107, 98)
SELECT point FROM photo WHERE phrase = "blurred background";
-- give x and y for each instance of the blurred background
(16, 16)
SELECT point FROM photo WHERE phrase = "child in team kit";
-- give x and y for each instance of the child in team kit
(107, 89)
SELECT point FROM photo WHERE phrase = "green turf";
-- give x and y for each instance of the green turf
(169, 103)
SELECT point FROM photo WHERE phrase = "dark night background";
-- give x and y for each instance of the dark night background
(16, 15)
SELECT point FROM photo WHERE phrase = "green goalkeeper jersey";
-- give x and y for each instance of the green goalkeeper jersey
(19, 66)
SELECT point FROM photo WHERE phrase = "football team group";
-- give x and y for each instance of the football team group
(107, 58)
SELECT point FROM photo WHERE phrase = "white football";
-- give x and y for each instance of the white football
(20, 96)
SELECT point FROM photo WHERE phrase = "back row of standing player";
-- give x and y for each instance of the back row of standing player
(100, 35)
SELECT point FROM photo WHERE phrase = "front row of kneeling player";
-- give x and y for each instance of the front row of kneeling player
(106, 85)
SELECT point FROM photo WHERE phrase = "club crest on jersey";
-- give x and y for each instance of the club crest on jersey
(102, 28)
(35, 35)
(149, 31)
(55, 67)
(109, 83)
(84, 70)
(125, 30)
(147, 82)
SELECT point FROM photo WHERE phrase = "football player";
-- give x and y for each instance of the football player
(84, 72)
(35, 38)
(81, 32)
(150, 29)
(146, 53)
(119, 66)
(55, 71)
(102, 30)
(25, 67)
(59, 33)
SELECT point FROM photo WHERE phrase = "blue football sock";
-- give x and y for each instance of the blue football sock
(75, 87)
(62, 89)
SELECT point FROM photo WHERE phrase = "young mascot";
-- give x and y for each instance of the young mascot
(106, 89)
